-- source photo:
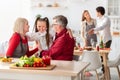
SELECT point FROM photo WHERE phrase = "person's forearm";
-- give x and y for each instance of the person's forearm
(82, 35)
(99, 28)
(35, 36)
(102, 26)
(29, 53)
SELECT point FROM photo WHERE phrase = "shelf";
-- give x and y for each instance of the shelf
(48, 4)
(45, 8)
(111, 16)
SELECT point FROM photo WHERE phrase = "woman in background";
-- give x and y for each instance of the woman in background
(87, 24)
(89, 40)
(18, 43)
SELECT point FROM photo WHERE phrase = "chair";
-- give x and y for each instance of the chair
(3, 47)
(94, 59)
(115, 63)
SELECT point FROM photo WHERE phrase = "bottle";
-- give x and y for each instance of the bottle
(78, 44)
(79, 47)
(101, 45)
(75, 46)
(97, 47)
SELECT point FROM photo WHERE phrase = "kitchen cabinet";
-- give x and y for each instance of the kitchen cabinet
(113, 7)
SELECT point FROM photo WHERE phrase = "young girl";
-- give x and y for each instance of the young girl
(87, 24)
(42, 26)
(18, 43)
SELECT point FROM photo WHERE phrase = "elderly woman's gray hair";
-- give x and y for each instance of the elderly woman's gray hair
(61, 20)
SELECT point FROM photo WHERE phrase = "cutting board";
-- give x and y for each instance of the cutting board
(34, 68)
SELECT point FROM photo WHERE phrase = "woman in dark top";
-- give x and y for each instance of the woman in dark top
(87, 24)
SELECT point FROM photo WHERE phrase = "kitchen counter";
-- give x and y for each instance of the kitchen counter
(64, 70)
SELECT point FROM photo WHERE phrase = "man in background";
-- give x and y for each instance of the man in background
(103, 26)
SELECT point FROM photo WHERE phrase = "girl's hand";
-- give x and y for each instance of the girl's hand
(70, 33)
(39, 46)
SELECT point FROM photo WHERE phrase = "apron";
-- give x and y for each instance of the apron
(92, 36)
(21, 49)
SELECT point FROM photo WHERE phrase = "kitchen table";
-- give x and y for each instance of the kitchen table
(104, 53)
(64, 70)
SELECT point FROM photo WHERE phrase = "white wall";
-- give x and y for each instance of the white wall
(73, 11)
(76, 9)
(11, 9)
(8, 14)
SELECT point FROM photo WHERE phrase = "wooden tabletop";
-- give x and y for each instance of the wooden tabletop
(63, 68)
(78, 52)
(105, 50)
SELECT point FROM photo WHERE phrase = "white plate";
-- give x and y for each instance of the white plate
(6, 63)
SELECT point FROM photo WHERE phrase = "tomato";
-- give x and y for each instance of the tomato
(44, 65)
(41, 65)
(34, 65)
(38, 64)
(27, 65)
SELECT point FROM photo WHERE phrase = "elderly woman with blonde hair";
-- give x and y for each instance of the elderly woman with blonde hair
(18, 43)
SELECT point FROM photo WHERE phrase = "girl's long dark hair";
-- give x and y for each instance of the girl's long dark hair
(47, 25)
